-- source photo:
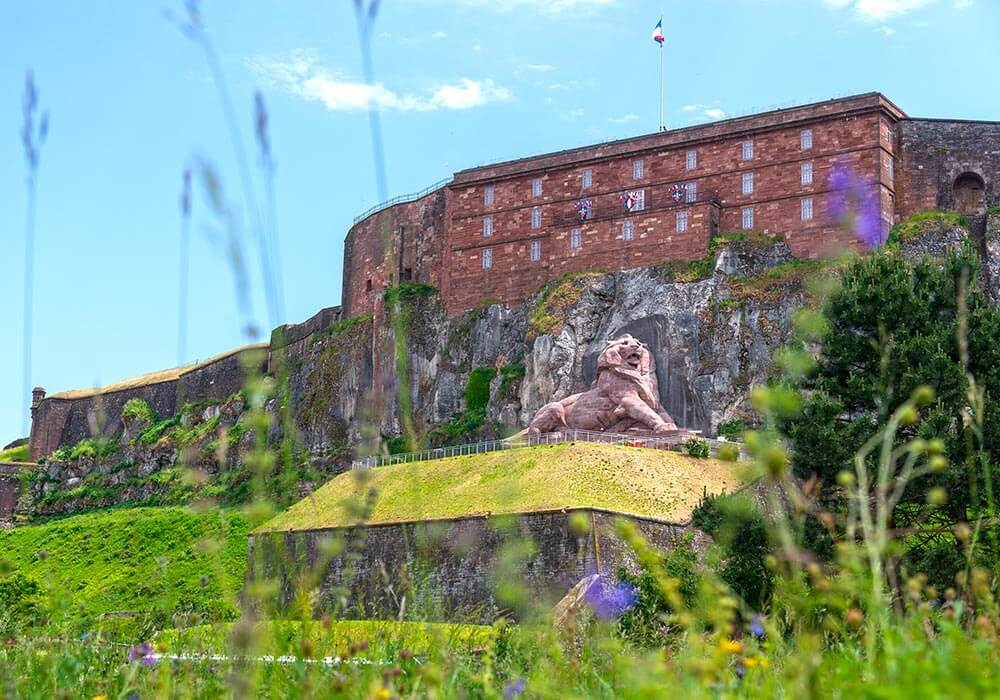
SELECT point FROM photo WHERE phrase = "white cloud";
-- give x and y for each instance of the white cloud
(538, 67)
(439, 34)
(300, 73)
(624, 119)
(704, 111)
(962, 4)
(888, 31)
(879, 10)
(572, 115)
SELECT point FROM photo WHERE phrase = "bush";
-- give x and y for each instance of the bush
(731, 427)
(477, 390)
(20, 603)
(697, 448)
(729, 452)
(137, 409)
(643, 624)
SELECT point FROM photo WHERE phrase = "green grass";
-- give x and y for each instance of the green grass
(925, 222)
(15, 454)
(655, 483)
(155, 560)
(333, 638)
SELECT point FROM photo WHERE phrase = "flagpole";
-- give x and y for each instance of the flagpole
(661, 86)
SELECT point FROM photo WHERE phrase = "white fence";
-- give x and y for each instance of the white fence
(671, 442)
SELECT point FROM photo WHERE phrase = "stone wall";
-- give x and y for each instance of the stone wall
(935, 152)
(10, 489)
(448, 569)
(67, 418)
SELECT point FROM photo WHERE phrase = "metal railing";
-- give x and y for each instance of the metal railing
(413, 196)
(673, 442)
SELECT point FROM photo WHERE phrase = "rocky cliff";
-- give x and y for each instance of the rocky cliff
(411, 376)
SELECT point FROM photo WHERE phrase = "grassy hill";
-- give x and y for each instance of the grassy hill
(654, 483)
(156, 561)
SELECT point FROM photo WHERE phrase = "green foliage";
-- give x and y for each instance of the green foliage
(702, 269)
(151, 561)
(15, 454)
(733, 427)
(548, 313)
(740, 529)
(157, 430)
(697, 448)
(924, 222)
(644, 624)
(729, 452)
(348, 324)
(992, 211)
(477, 389)
(407, 292)
(139, 410)
(511, 376)
(21, 602)
(94, 448)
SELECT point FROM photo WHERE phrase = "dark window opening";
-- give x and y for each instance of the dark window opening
(408, 274)
(368, 285)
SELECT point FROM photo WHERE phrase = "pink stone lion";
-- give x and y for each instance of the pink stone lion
(623, 399)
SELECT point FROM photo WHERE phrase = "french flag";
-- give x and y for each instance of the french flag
(658, 33)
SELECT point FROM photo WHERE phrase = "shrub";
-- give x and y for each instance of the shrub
(156, 431)
(926, 222)
(477, 389)
(94, 448)
(731, 427)
(697, 448)
(137, 409)
(729, 452)
(20, 603)
(406, 292)
(644, 623)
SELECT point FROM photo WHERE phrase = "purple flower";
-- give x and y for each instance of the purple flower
(856, 205)
(513, 688)
(741, 669)
(757, 626)
(610, 600)
(143, 654)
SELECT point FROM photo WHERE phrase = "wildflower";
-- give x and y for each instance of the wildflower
(383, 694)
(730, 646)
(513, 689)
(756, 661)
(610, 600)
(143, 654)
(757, 626)
(100, 697)
(85, 636)
(856, 205)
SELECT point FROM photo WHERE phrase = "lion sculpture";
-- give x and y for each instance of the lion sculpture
(623, 399)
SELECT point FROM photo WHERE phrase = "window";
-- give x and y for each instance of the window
(691, 160)
(627, 230)
(637, 169)
(682, 221)
(488, 195)
(368, 285)
(408, 274)
(536, 217)
(748, 149)
(587, 178)
(807, 209)
(747, 183)
(806, 174)
(487, 226)
(747, 218)
(536, 187)
(638, 200)
(806, 139)
(536, 250)
(691, 192)
(487, 258)
(890, 169)
(890, 136)
(574, 239)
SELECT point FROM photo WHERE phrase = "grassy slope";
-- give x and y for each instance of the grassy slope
(14, 454)
(654, 483)
(137, 559)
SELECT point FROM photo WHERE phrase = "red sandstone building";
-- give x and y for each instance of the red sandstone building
(500, 231)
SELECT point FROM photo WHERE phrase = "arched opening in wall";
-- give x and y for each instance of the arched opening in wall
(969, 194)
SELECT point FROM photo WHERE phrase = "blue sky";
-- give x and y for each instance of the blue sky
(460, 82)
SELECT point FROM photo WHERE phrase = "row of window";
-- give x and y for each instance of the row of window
(628, 231)
(638, 166)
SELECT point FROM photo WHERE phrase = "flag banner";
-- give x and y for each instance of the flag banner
(658, 33)
(677, 192)
(584, 208)
(634, 200)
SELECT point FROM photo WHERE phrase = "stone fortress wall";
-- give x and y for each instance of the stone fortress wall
(500, 231)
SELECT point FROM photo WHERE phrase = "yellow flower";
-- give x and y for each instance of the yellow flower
(383, 694)
(100, 697)
(730, 646)
(755, 661)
